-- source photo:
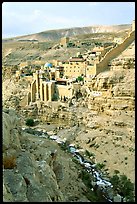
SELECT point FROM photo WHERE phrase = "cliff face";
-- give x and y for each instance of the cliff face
(31, 173)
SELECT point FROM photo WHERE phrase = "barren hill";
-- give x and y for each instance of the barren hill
(44, 46)
(70, 32)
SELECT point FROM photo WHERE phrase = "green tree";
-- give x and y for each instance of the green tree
(100, 166)
(55, 97)
(123, 186)
(80, 78)
(29, 122)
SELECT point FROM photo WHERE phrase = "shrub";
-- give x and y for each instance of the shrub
(55, 97)
(91, 195)
(85, 176)
(123, 186)
(99, 166)
(64, 146)
(9, 162)
(30, 122)
(96, 146)
(75, 160)
(78, 146)
(80, 78)
(116, 171)
(89, 154)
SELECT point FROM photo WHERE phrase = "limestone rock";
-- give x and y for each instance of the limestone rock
(10, 132)
(37, 177)
(7, 195)
(17, 185)
(117, 198)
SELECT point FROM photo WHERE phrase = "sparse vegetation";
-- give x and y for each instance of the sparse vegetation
(86, 178)
(78, 146)
(93, 196)
(116, 171)
(64, 146)
(96, 146)
(9, 162)
(100, 166)
(89, 154)
(75, 160)
(131, 149)
(123, 186)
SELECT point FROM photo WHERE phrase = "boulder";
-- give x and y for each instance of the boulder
(117, 198)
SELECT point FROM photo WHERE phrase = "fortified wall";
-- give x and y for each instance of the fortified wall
(113, 53)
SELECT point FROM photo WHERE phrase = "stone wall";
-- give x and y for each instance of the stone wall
(113, 53)
(64, 91)
(91, 70)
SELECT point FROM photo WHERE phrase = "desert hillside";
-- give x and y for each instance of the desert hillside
(45, 47)
(70, 32)
(76, 145)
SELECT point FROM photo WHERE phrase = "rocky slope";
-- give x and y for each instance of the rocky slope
(103, 125)
(106, 121)
(92, 121)
(44, 46)
(100, 121)
(30, 171)
(37, 169)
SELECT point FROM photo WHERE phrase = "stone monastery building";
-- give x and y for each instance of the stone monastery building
(57, 80)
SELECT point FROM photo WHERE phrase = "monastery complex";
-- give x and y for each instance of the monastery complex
(59, 80)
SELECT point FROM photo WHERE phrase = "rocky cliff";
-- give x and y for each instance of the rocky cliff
(100, 121)
(36, 169)
(105, 114)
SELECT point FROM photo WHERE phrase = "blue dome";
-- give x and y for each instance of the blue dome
(48, 65)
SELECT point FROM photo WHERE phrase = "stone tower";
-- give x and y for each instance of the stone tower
(64, 41)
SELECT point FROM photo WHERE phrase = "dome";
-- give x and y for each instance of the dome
(48, 65)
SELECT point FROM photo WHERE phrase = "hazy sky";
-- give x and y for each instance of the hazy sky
(22, 18)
